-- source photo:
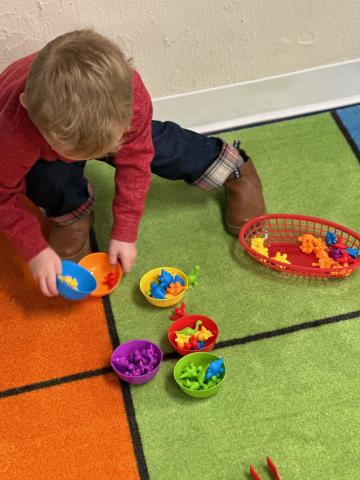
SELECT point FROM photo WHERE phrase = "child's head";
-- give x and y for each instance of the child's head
(79, 94)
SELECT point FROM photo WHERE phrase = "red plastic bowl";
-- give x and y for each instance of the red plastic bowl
(281, 232)
(189, 321)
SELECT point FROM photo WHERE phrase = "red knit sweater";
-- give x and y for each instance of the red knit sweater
(21, 145)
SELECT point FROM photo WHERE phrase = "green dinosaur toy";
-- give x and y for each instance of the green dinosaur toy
(190, 331)
(193, 277)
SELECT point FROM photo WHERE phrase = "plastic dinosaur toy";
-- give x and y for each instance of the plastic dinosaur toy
(178, 312)
(193, 277)
(190, 331)
(215, 368)
(271, 466)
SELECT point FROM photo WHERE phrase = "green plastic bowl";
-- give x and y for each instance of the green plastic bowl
(199, 358)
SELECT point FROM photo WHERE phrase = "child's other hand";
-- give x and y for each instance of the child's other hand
(44, 268)
(123, 252)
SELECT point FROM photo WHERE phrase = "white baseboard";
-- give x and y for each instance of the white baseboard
(272, 98)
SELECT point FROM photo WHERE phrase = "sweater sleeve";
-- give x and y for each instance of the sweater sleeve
(132, 162)
(19, 226)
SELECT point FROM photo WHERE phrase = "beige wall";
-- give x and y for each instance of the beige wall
(186, 45)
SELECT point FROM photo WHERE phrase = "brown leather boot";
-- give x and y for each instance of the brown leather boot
(244, 197)
(71, 242)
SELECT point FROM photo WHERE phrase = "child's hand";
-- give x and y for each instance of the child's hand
(124, 252)
(44, 268)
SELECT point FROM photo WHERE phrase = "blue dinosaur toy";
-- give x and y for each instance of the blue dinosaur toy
(330, 238)
(177, 278)
(353, 252)
(157, 291)
(165, 278)
(215, 368)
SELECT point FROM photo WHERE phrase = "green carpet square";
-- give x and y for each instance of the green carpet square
(307, 167)
(293, 397)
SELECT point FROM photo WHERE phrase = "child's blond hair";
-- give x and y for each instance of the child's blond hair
(79, 93)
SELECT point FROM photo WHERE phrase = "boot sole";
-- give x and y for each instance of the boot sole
(234, 230)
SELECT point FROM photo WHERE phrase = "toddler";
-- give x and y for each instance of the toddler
(80, 99)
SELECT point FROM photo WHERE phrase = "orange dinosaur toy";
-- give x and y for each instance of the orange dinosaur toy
(174, 288)
(311, 244)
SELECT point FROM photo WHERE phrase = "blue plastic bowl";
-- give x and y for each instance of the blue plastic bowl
(86, 282)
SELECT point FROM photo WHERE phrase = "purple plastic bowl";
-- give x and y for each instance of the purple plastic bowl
(125, 350)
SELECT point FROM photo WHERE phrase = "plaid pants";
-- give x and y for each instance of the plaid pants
(64, 194)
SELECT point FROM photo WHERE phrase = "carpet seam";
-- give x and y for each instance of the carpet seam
(125, 388)
(54, 382)
(173, 355)
(279, 331)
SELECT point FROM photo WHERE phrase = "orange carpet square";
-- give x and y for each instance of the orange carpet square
(42, 337)
(77, 430)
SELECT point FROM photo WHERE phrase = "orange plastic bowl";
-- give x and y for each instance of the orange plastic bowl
(281, 233)
(98, 264)
(190, 321)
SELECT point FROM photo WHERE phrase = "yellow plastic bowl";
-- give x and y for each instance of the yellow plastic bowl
(152, 276)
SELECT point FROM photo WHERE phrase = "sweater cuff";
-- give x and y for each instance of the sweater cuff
(126, 233)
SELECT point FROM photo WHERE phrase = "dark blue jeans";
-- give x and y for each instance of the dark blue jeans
(180, 154)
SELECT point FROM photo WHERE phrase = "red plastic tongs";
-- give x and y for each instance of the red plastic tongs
(271, 466)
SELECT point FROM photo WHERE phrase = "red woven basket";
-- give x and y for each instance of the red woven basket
(281, 232)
